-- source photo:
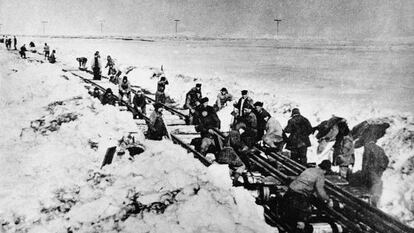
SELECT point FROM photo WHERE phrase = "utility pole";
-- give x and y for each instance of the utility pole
(176, 26)
(101, 22)
(277, 26)
(44, 26)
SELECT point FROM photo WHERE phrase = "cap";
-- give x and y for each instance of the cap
(157, 106)
(325, 165)
(139, 90)
(96, 89)
(198, 85)
(204, 100)
(244, 92)
(223, 89)
(260, 104)
(295, 111)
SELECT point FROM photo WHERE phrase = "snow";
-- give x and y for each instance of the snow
(51, 178)
(350, 80)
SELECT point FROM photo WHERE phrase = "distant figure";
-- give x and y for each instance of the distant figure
(239, 106)
(52, 57)
(298, 142)
(222, 98)
(96, 93)
(23, 51)
(160, 94)
(297, 200)
(46, 51)
(32, 44)
(125, 89)
(156, 126)
(108, 97)
(110, 64)
(139, 103)
(15, 43)
(8, 43)
(115, 74)
(97, 66)
(82, 62)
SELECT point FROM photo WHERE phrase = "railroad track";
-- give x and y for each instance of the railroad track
(350, 212)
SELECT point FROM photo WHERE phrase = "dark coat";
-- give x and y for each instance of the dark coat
(192, 97)
(161, 85)
(248, 101)
(261, 123)
(108, 99)
(139, 101)
(299, 128)
(156, 127)
(210, 121)
(374, 159)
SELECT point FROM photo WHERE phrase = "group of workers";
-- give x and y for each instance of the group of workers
(253, 125)
(51, 57)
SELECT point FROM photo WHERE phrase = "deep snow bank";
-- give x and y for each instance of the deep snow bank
(53, 140)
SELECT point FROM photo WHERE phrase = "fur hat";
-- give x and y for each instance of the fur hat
(325, 165)
(295, 111)
(204, 100)
(158, 106)
(244, 92)
(260, 104)
(198, 85)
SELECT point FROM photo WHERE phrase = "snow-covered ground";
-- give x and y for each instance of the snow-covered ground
(51, 179)
(355, 82)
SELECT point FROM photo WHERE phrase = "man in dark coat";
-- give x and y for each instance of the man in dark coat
(23, 51)
(249, 124)
(208, 121)
(298, 142)
(97, 66)
(261, 114)
(242, 103)
(96, 93)
(156, 126)
(108, 97)
(160, 94)
(139, 102)
(15, 43)
(192, 100)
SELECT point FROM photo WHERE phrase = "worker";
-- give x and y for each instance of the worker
(139, 103)
(208, 122)
(23, 51)
(108, 97)
(261, 114)
(52, 57)
(296, 205)
(109, 64)
(15, 43)
(82, 62)
(160, 93)
(222, 98)
(46, 51)
(298, 141)
(274, 134)
(156, 126)
(239, 106)
(192, 97)
(248, 122)
(125, 89)
(97, 66)
(96, 93)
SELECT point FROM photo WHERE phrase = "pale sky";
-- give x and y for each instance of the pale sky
(339, 19)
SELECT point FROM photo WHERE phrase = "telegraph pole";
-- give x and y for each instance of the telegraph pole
(176, 26)
(277, 26)
(44, 26)
(101, 22)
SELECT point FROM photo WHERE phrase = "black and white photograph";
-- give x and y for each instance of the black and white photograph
(199, 116)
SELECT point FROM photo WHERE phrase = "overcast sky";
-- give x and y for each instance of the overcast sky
(340, 19)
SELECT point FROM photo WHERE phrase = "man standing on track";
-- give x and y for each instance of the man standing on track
(15, 43)
(298, 142)
(46, 51)
(97, 66)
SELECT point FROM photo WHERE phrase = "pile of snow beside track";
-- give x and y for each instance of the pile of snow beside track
(52, 181)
